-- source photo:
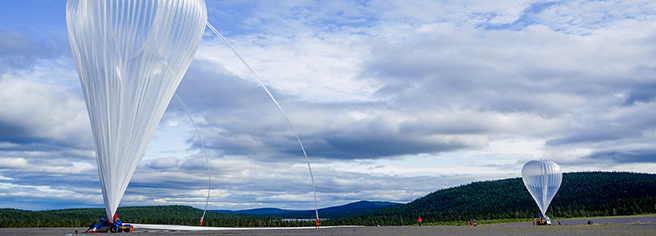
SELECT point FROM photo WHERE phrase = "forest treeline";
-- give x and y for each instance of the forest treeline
(171, 215)
(581, 194)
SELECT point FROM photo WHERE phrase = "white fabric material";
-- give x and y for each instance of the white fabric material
(542, 178)
(130, 56)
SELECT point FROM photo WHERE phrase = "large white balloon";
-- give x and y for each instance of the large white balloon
(130, 56)
(542, 179)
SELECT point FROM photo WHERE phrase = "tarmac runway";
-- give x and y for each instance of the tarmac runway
(596, 220)
(631, 225)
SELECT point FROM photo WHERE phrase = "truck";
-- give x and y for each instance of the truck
(105, 227)
(544, 220)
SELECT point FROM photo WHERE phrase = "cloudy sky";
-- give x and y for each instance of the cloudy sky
(392, 99)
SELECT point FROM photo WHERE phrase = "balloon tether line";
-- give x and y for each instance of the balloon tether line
(209, 175)
(316, 211)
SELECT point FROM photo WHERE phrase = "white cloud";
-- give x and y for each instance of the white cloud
(41, 111)
(164, 163)
(321, 69)
(19, 163)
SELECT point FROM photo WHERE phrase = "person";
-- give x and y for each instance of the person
(558, 221)
(116, 220)
(419, 220)
(101, 222)
(533, 222)
(96, 227)
(317, 224)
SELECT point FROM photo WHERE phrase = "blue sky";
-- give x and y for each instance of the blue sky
(393, 100)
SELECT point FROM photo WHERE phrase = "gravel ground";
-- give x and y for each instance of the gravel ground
(634, 225)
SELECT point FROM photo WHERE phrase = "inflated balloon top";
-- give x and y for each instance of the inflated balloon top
(542, 179)
(130, 56)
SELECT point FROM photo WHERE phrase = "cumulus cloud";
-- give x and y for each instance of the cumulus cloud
(31, 110)
(164, 163)
(632, 156)
(13, 163)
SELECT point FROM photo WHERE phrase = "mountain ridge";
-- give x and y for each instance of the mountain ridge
(349, 209)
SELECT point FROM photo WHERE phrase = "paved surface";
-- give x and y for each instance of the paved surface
(634, 225)
(596, 220)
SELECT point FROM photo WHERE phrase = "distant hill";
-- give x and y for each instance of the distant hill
(259, 211)
(580, 195)
(351, 209)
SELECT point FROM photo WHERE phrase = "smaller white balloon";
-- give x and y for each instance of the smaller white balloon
(542, 178)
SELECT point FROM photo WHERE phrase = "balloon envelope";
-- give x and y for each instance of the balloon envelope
(130, 56)
(542, 178)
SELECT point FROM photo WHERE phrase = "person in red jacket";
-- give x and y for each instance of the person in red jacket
(419, 220)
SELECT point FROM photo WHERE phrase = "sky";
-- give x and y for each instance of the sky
(393, 100)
